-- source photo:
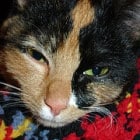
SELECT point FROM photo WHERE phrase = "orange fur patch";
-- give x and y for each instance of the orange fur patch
(50, 83)
(67, 57)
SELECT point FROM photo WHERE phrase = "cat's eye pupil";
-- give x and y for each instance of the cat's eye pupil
(37, 55)
(96, 70)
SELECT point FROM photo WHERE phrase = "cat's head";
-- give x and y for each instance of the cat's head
(70, 57)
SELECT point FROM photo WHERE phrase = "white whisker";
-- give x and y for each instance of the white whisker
(26, 112)
(13, 100)
(103, 111)
(19, 104)
(99, 109)
(11, 86)
(79, 120)
(8, 92)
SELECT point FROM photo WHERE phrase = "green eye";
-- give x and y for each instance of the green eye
(88, 72)
(97, 71)
(36, 55)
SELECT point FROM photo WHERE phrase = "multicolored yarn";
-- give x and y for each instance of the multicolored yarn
(124, 125)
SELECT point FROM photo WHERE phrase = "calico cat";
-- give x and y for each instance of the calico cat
(70, 57)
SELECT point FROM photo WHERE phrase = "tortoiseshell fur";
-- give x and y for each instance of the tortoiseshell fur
(72, 36)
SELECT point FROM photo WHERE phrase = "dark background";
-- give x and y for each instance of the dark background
(5, 6)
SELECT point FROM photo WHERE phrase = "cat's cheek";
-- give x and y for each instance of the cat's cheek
(35, 65)
(24, 61)
(23, 67)
(104, 94)
(26, 72)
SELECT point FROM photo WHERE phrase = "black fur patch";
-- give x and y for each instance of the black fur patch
(107, 42)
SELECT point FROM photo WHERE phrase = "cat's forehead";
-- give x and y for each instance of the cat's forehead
(56, 27)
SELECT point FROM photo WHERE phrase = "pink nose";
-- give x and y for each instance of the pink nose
(57, 96)
(56, 107)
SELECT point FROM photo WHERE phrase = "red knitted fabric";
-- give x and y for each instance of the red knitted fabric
(124, 126)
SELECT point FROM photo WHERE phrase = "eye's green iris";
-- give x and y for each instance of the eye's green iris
(88, 72)
(97, 71)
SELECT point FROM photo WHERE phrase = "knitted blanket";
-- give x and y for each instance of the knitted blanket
(16, 123)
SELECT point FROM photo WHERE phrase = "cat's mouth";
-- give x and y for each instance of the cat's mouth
(52, 123)
(68, 115)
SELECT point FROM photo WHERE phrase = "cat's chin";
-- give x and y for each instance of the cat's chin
(52, 123)
(56, 122)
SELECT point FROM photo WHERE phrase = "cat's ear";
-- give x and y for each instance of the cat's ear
(21, 4)
(133, 24)
(133, 19)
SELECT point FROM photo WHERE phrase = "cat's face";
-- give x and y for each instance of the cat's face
(68, 58)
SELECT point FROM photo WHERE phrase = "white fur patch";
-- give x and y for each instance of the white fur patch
(72, 101)
(45, 113)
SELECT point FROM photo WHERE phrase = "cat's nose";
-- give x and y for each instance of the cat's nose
(57, 96)
(56, 108)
